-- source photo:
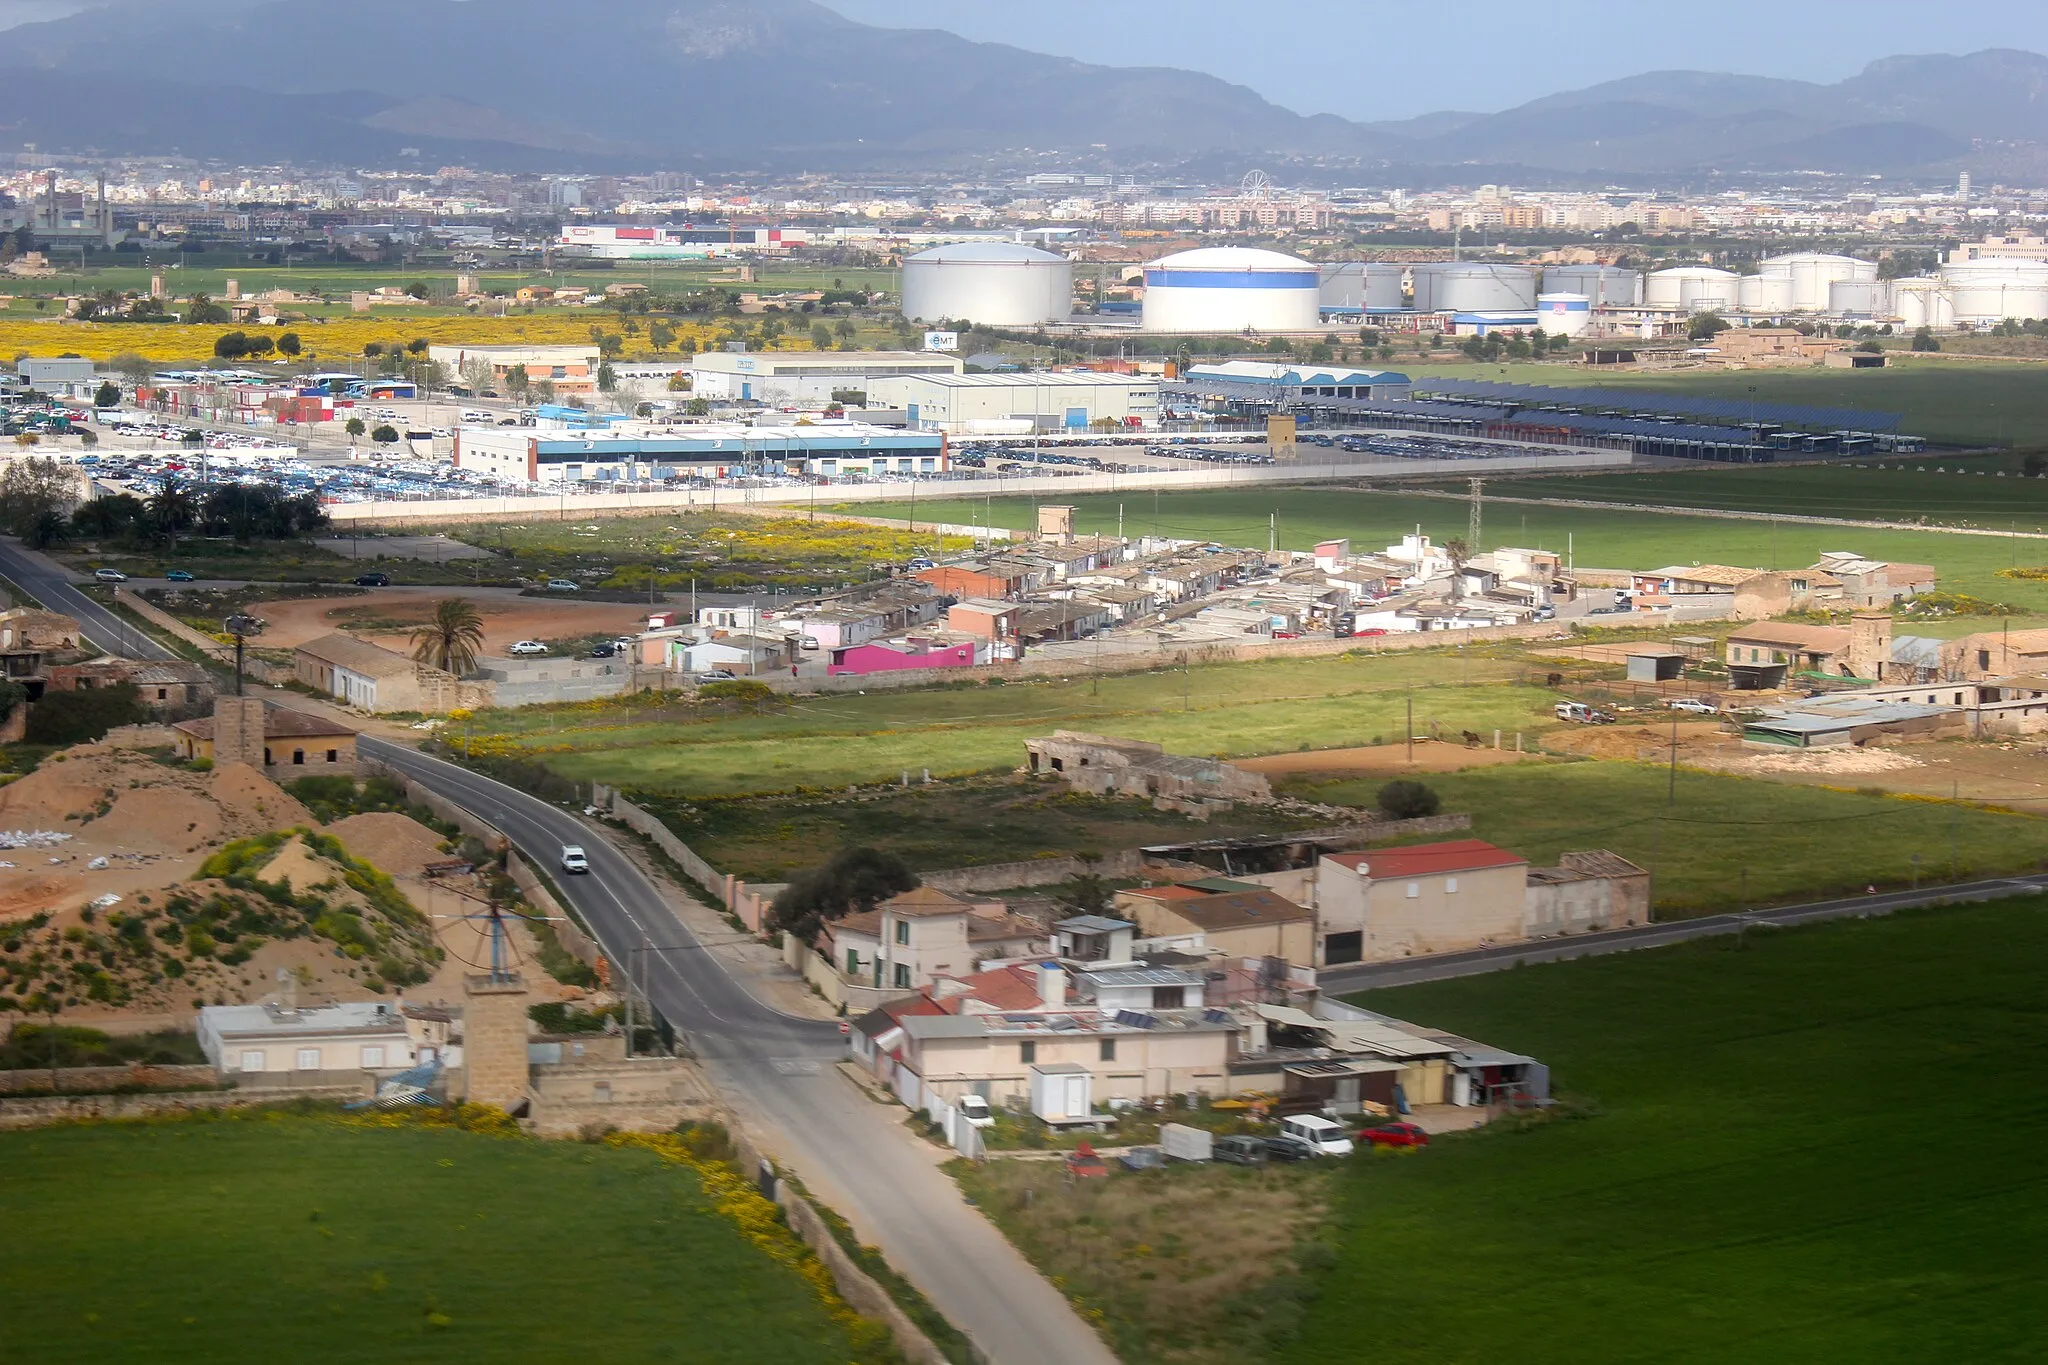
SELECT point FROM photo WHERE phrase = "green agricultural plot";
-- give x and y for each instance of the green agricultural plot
(945, 824)
(1273, 706)
(1802, 1146)
(298, 1238)
(1956, 402)
(1597, 537)
(1790, 842)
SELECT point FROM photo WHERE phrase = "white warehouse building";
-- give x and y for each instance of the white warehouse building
(778, 378)
(1017, 404)
(996, 284)
(1231, 289)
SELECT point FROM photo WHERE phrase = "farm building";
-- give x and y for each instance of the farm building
(1132, 767)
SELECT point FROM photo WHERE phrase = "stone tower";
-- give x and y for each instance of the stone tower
(238, 731)
(494, 1031)
(1870, 643)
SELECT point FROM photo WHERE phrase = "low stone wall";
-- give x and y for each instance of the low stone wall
(103, 1078)
(163, 620)
(645, 822)
(1127, 862)
(36, 1111)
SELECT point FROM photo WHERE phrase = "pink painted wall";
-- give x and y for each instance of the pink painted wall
(874, 659)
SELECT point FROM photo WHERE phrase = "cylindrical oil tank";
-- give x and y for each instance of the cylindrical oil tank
(1373, 286)
(1994, 290)
(1608, 286)
(1230, 289)
(1694, 287)
(1469, 287)
(1764, 293)
(1862, 298)
(1564, 314)
(997, 284)
(1810, 274)
(1922, 301)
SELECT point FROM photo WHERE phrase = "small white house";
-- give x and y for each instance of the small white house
(278, 1042)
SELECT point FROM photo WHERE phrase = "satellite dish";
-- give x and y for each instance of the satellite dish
(1255, 185)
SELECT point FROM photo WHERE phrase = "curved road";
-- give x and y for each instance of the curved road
(776, 1069)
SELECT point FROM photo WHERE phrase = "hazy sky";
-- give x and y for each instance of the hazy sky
(1368, 59)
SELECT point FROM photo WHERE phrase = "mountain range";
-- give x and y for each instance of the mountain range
(736, 85)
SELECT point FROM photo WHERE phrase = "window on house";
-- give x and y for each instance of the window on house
(1345, 947)
(267, 760)
(1450, 884)
(309, 1059)
(1984, 658)
(903, 931)
(253, 1060)
(334, 755)
(1108, 1052)
(903, 976)
(1414, 890)
(163, 694)
(299, 757)
(373, 1057)
(1027, 1053)
(852, 962)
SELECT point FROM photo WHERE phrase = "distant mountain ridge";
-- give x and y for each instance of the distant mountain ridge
(725, 85)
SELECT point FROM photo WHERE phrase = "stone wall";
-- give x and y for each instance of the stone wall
(36, 1111)
(1127, 862)
(83, 1079)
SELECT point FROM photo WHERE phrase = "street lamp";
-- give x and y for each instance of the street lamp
(241, 627)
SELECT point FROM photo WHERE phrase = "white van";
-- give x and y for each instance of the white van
(1325, 1137)
(573, 859)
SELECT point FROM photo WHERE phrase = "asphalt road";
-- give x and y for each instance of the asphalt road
(1441, 966)
(53, 587)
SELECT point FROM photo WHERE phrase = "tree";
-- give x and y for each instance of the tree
(1704, 326)
(854, 881)
(1870, 347)
(417, 289)
(698, 407)
(261, 345)
(203, 310)
(373, 349)
(1406, 799)
(660, 336)
(30, 488)
(453, 639)
(288, 344)
(134, 368)
(610, 344)
(231, 345)
(679, 383)
(1923, 340)
(607, 377)
(821, 337)
(169, 512)
(107, 395)
(1086, 892)
(354, 427)
(85, 714)
(108, 516)
(1459, 551)
(384, 434)
(417, 346)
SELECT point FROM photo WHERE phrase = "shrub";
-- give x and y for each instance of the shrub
(83, 716)
(1406, 799)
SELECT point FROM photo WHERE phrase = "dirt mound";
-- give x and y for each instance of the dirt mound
(301, 868)
(1824, 760)
(52, 794)
(252, 803)
(164, 820)
(395, 844)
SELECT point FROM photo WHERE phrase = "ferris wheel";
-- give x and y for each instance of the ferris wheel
(1255, 185)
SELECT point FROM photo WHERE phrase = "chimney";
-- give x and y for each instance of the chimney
(1052, 986)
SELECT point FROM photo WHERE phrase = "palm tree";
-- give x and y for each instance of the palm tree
(451, 640)
(170, 512)
(1459, 552)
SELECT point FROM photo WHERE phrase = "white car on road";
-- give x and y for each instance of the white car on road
(1694, 706)
(528, 647)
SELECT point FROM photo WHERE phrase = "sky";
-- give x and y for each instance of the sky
(1368, 59)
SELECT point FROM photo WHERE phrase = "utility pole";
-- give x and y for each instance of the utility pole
(1410, 731)
(1272, 533)
(1673, 799)
(1472, 520)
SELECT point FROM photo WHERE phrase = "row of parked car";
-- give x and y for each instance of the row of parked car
(1302, 1137)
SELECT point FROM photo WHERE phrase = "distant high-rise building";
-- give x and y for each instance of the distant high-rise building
(1963, 185)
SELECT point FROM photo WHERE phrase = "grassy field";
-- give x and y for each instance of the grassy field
(947, 824)
(1804, 1146)
(1957, 402)
(1598, 537)
(1272, 706)
(298, 1238)
(1794, 842)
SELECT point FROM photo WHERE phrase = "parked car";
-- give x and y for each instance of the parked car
(1325, 1136)
(718, 675)
(1371, 630)
(809, 643)
(373, 580)
(528, 647)
(1579, 712)
(179, 576)
(975, 1110)
(563, 585)
(1693, 705)
(1288, 1149)
(573, 859)
(1395, 1135)
(110, 575)
(1240, 1150)
(1142, 1159)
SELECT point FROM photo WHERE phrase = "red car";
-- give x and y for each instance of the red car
(1371, 630)
(1395, 1135)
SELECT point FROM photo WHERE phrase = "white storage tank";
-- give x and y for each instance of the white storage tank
(1764, 293)
(1374, 286)
(1564, 314)
(1466, 287)
(997, 284)
(1608, 286)
(1922, 301)
(1695, 288)
(1231, 289)
(1811, 272)
(1994, 290)
(1863, 298)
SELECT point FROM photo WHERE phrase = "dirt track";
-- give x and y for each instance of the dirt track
(386, 616)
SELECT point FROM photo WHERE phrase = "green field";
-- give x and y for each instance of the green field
(1956, 402)
(1596, 537)
(1793, 842)
(835, 740)
(301, 1239)
(1802, 1146)
(1958, 495)
(946, 824)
